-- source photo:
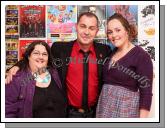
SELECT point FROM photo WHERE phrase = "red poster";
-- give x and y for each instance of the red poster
(23, 46)
(32, 21)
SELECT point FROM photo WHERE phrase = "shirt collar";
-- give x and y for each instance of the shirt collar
(76, 44)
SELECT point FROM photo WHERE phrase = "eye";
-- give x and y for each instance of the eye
(35, 53)
(92, 28)
(109, 32)
(45, 54)
(117, 30)
(82, 26)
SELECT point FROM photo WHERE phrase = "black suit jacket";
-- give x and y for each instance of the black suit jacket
(62, 50)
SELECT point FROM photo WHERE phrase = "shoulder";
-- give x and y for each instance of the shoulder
(20, 74)
(53, 70)
(18, 78)
(141, 52)
(142, 58)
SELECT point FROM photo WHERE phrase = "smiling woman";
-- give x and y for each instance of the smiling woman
(36, 90)
(127, 75)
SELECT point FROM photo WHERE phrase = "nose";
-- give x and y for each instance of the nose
(41, 56)
(113, 35)
(86, 31)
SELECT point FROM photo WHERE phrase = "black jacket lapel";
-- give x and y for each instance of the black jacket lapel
(65, 55)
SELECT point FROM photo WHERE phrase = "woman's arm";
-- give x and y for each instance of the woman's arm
(11, 99)
(145, 70)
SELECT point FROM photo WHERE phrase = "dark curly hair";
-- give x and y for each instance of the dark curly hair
(25, 62)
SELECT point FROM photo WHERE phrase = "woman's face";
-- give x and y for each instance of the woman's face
(38, 58)
(116, 33)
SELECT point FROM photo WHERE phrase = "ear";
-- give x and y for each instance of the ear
(97, 31)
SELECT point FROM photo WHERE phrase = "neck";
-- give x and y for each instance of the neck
(84, 47)
(36, 70)
(125, 47)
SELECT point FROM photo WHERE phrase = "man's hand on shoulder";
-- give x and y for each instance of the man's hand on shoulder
(10, 74)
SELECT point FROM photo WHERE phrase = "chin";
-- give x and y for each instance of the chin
(85, 42)
(117, 44)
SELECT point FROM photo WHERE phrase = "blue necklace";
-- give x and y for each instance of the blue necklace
(46, 79)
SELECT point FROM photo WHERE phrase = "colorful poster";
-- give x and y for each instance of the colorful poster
(11, 54)
(11, 7)
(11, 21)
(61, 22)
(11, 57)
(147, 21)
(11, 27)
(130, 12)
(146, 31)
(11, 42)
(11, 30)
(32, 21)
(11, 38)
(11, 46)
(100, 11)
(10, 62)
(23, 46)
(11, 13)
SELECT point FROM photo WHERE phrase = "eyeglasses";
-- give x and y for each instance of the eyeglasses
(38, 54)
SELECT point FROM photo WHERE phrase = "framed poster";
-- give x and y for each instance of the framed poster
(32, 21)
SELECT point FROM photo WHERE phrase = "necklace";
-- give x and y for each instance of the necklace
(45, 79)
(111, 64)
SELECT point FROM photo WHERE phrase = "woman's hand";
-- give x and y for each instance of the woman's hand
(144, 113)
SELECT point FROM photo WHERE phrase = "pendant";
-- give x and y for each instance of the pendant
(46, 79)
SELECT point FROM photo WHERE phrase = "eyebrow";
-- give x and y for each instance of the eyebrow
(86, 25)
(42, 52)
(115, 28)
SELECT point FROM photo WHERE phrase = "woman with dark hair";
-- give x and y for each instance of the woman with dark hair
(36, 90)
(127, 76)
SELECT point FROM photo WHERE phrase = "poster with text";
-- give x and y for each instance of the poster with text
(61, 22)
(32, 21)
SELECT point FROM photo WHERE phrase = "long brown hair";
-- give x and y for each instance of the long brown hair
(131, 29)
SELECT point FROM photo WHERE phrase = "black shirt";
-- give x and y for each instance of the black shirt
(49, 102)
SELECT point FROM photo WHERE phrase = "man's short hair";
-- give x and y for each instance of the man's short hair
(88, 14)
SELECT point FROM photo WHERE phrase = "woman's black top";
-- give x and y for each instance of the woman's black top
(49, 102)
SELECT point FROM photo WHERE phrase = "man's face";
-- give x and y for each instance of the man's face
(87, 29)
